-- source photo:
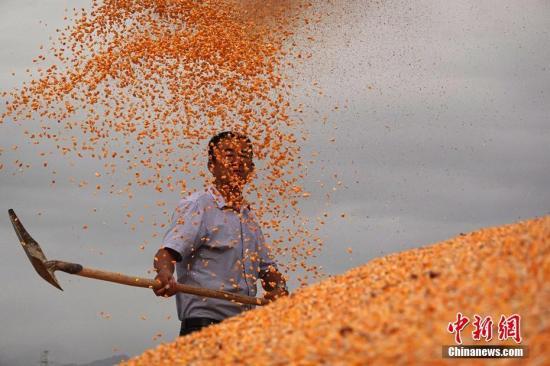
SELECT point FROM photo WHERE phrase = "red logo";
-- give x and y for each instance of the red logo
(508, 327)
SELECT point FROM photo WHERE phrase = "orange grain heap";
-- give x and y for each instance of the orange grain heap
(393, 310)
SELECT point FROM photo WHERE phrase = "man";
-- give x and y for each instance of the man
(214, 241)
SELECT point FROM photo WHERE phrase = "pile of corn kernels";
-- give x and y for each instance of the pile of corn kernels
(393, 310)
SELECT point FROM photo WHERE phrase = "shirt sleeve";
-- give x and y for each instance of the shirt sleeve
(265, 254)
(186, 228)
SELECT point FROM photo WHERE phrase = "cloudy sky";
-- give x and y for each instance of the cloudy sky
(442, 128)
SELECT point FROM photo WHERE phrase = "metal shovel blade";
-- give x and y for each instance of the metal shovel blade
(33, 251)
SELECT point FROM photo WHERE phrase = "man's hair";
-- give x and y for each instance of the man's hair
(214, 141)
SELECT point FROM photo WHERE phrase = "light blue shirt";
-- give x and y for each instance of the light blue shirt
(220, 249)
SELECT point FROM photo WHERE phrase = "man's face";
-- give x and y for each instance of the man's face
(233, 162)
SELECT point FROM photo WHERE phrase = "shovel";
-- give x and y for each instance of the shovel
(46, 269)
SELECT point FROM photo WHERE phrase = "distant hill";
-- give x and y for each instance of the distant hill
(114, 360)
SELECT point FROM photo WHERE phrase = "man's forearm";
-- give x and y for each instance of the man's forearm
(164, 264)
(164, 261)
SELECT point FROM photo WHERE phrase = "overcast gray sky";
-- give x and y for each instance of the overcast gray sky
(442, 128)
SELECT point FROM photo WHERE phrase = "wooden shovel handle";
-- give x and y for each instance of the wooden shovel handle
(97, 274)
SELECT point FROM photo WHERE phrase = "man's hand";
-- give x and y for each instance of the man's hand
(275, 294)
(168, 283)
(273, 283)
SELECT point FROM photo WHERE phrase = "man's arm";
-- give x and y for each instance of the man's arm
(178, 243)
(273, 282)
(164, 266)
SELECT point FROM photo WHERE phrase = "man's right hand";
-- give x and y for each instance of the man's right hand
(167, 285)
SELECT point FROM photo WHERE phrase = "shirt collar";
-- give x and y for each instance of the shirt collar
(220, 201)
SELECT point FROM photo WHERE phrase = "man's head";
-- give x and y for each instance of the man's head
(230, 159)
